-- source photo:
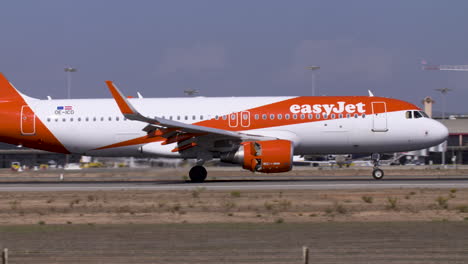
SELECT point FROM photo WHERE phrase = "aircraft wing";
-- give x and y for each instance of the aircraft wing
(169, 128)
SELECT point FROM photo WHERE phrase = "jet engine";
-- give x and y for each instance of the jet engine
(270, 156)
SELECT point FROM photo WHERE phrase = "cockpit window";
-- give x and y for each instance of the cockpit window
(409, 114)
(424, 114)
(417, 114)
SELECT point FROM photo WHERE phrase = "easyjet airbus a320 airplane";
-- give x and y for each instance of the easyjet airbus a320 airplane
(260, 133)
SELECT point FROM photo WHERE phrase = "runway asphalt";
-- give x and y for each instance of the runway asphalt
(282, 184)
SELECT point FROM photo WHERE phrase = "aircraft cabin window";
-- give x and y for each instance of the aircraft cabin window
(348, 115)
(317, 116)
(86, 119)
(216, 117)
(186, 117)
(341, 115)
(170, 118)
(280, 116)
(311, 116)
(325, 116)
(409, 114)
(363, 115)
(71, 119)
(110, 118)
(201, 117)
(233, 116)
(286, 116)
(294, 116)
(178, 117)
(302, 116)
(332, 116)
(117, 119)
(356, 115)
(264, 116)
(79, 119)
(102, 118)
(245, 116)
(48, 119)
(94, 119)
(417, 114)
(272, 117)
(257, 116)
(56, 119)
(63, 119)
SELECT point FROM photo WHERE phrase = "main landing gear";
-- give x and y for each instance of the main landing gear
(377, 173)
(198, 173)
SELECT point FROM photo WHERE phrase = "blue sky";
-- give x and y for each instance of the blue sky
(236, 48)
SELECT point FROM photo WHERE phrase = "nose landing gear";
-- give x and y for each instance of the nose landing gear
(377, 173)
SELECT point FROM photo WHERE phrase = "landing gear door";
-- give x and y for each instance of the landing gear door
(27, 121)
(379, 117)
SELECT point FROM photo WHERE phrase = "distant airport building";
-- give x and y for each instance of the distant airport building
(32, 157)
(457, 143)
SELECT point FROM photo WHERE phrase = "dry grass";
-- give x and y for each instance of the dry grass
(201, 205)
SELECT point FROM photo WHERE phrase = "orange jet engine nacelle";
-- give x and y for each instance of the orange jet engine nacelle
(270, 156)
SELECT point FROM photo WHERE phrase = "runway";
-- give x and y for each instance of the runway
(280, 184)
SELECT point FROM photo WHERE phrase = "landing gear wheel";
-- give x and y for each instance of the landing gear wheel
(198, 174)
(377, 174)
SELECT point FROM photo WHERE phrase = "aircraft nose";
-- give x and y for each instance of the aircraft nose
(439, 132)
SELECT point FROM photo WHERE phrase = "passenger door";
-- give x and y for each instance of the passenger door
(28, 121)
(379, 117)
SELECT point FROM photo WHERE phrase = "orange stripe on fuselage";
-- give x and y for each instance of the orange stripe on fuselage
(135, 141)
(11, 103)
(284, 107)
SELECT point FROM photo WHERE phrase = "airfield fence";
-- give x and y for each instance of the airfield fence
(305, 255)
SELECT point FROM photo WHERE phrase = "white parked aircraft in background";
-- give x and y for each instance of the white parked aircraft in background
(260, 133)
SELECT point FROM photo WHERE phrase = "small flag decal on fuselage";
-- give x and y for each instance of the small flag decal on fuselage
(65, 107)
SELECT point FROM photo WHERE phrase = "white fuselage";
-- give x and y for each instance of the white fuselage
(90, 124)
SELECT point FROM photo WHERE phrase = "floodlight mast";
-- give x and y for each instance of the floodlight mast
(444, 92)
(69, 70)
(191, 92)
(313, 69)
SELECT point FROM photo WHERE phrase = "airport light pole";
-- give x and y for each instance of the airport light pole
(190, 92)
(313, 69)
(69, 70)
(444, 92)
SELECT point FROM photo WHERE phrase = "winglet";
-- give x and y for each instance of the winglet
(370, 93)
(125, 107)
